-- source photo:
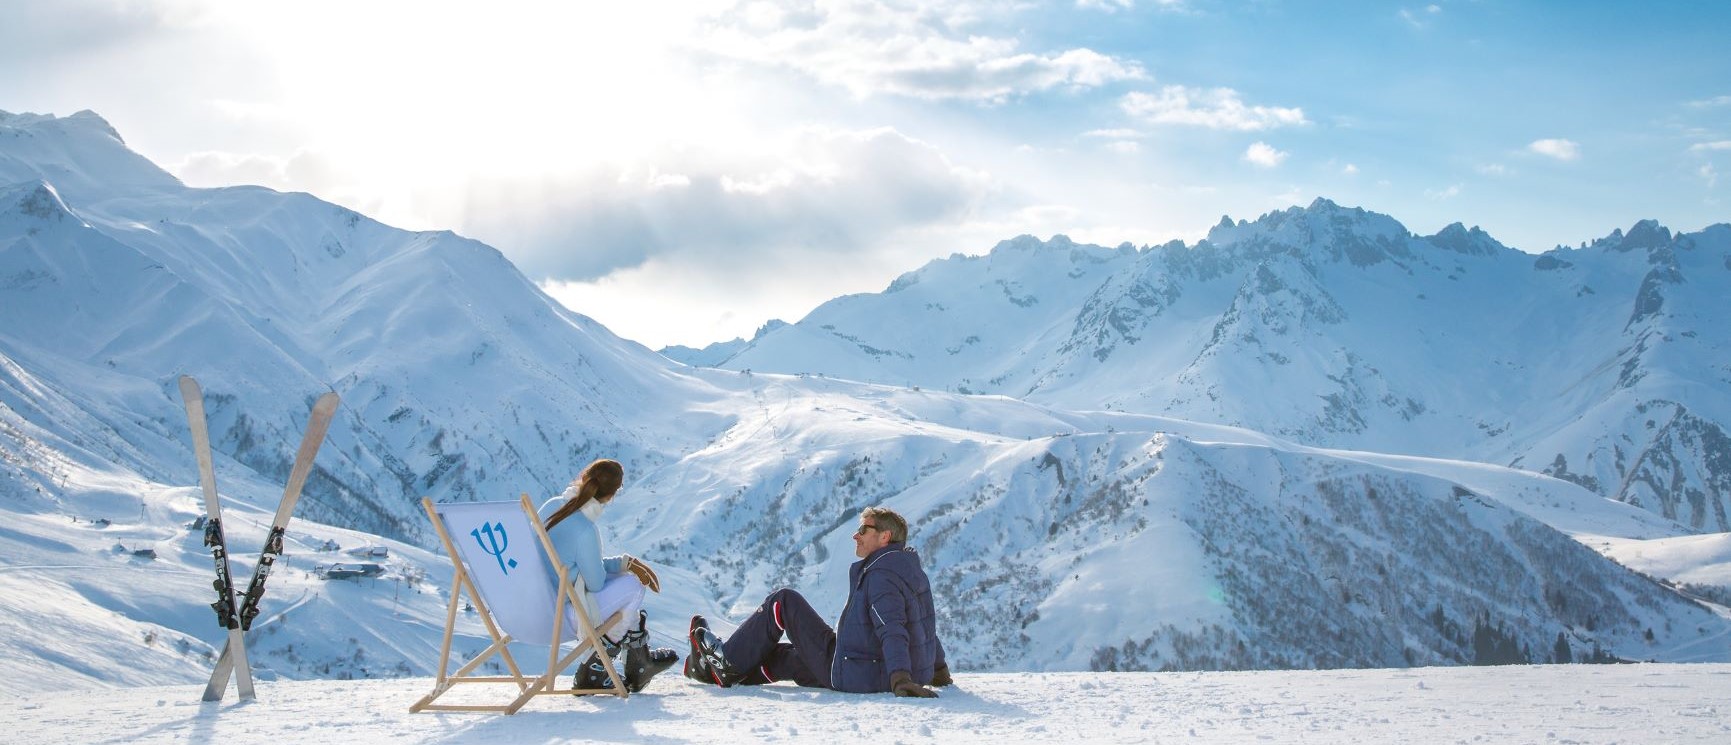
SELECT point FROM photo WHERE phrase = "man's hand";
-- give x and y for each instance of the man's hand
(642, 572)
(941, 676)
(903, 686)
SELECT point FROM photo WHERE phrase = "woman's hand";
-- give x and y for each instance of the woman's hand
(636, 568)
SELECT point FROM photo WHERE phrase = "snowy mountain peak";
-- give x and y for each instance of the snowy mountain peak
(85, 119)
(80, 153)
(1644, 235)
(1472, 242)
(1027, 242)
(1325, 229)
(1323, 204)
(93, 122)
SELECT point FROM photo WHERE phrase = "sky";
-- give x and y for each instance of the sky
(685, 170)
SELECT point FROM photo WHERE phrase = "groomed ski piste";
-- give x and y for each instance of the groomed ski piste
(1649, 703)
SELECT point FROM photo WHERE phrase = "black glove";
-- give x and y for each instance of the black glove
(902, 685)
(941, 676)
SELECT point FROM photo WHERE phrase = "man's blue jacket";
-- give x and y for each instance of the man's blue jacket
(887, 625)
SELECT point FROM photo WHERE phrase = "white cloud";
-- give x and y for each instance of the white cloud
(1706, 146)
(1710, 102)
(1113, 6)
(1124, 147)
(668, 181)
(214, 168)
(1708, 174)
(1349, 169)
(903, 48)
(1556, 148)
(815, 191)
(1218, 108)
(1264, 155)
(1113, 134)
(1417, 21)
(1449, 192)
(307, 170)
(1492, 169)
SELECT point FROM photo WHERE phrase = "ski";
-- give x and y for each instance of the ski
(226, 613)
(317, 425)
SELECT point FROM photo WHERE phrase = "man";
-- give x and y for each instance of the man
(887, 640)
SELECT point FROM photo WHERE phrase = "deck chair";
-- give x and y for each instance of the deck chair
(506, 564)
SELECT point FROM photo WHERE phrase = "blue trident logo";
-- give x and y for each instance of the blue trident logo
(495, 544)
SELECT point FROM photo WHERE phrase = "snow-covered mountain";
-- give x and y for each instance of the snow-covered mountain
(1057, 540)
(1603, 365)
(112, 288)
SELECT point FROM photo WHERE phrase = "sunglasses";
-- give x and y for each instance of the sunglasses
(865, 528)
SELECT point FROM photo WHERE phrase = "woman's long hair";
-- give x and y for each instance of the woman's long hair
(598, 481)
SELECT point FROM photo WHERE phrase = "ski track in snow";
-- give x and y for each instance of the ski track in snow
(1652, 703)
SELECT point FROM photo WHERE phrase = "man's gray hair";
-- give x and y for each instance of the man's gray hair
(887, 519)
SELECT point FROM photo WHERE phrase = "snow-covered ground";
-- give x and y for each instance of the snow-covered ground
(1654, 703)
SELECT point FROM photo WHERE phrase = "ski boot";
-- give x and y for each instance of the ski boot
(641, 662)
(592, 674)
(706, 662)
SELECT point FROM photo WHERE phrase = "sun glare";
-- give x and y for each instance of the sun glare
(415, 89)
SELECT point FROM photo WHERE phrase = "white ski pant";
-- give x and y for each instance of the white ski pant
(622, 594)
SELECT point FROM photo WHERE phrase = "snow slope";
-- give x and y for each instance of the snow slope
(1240, 550)
(1565, 704)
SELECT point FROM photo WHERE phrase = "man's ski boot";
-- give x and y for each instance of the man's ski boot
(641, 662)
(706, 662)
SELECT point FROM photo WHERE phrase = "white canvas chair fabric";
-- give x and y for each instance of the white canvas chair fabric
(509, 568)
(503, 559)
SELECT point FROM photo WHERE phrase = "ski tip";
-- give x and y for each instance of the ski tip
(190, 390)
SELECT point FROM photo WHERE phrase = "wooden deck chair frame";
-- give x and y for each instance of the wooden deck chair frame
(527, 687)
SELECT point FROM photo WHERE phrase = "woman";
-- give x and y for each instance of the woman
(614, 584)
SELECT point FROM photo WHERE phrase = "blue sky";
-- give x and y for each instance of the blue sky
(686, 170)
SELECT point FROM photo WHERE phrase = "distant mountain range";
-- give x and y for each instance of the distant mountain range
(1605, 365)
(1066, 531)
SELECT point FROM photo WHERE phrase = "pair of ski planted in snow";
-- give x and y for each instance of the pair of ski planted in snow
(238, 618)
